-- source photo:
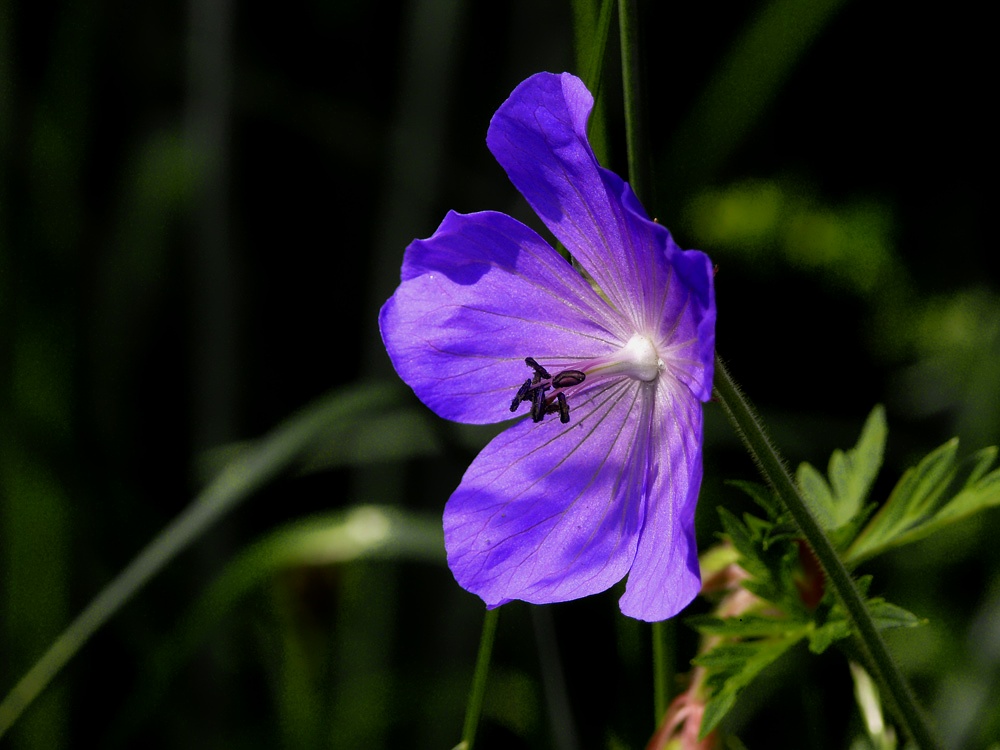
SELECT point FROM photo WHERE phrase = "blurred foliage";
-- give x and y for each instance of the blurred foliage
(202, 208)
(775, 595)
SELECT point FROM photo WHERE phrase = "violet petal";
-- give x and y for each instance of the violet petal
(664, 576)
(476, 298)
(549, 511)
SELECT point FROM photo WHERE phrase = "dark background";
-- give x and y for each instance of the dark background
(202, 208)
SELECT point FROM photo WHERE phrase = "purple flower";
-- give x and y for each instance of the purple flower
(600, 477)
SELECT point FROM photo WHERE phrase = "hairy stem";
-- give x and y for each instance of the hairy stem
(751, 431)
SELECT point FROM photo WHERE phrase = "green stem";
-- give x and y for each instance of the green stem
(594, 73)
(640, 178)
(663, 667)
(751, 431)
(475, 706)
(639, 165)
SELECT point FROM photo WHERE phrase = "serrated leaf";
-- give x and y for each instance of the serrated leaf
(837, 501)
(745, 626)
(730, 667)
(980, 463)
(852, 473)
(979, 493)
(864, 583)
(762, 495)
(759, 529)
(827, 634)
(906, 503)
(843, 536)
(885, 616)
(768, 554)
(888, 616)
(764, 589)
(929, 481)
(817, 494)
(933, 494)
(716, 709)
(740, 536)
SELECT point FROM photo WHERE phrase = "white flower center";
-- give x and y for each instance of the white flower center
(637, 359)
(645, 360)
(548, 393)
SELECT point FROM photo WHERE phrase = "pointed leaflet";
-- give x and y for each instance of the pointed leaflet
(851, 476)
(933, 494)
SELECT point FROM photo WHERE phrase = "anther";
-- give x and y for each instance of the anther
(540, 372)
(561, 405)
(566, 378)
(538, 405)
(535, 389)
(522, 395)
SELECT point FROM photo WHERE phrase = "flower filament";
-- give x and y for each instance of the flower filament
(638, 359)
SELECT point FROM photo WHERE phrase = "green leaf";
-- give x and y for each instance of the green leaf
(864, 583)
(888, 616)
(739, 535)
(885, 616)
(933, 494)
(768, 554)
(817, 494)
(979, 491)
(762, 495)
(821, 638)
(745, 626)
(730, 667)
(851, 475)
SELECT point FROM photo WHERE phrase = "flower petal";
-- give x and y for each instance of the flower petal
(664, 577)
(550, 511)
(539, 136)
(687, 328)
(476, 298)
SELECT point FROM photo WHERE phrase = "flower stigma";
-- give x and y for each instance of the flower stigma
(638, 359)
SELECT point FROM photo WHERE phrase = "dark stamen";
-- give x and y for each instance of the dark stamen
(538, 404)
(566, 378)
(560, 406)
(522, 395)
(563, 407)
(534, 390)
(540, 372)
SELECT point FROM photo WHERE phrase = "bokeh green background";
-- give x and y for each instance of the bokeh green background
(203, 206)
